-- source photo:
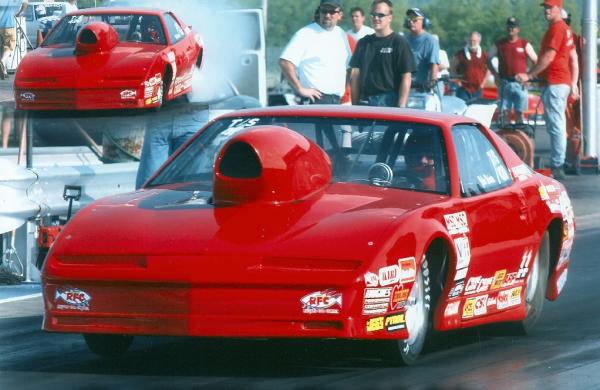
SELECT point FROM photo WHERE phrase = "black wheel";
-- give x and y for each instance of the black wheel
(418, 308)
(535, 290)
(108, 345)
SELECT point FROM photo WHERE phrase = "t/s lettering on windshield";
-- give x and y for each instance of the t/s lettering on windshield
(240, 124)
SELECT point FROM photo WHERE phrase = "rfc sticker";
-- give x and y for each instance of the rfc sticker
(128, 94)
(322, 302)
(72, 299)
(457, 223)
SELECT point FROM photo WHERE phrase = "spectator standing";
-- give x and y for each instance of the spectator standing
(443, 69)
(70, 6)
(315, 61)
(382, 65)
(558, 66)
(469, 66)
(9, 10)
(512, 52)
(426, 51)
(359, 30)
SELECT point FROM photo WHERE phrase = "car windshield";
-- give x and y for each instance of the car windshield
(393, 154)
(130, 28)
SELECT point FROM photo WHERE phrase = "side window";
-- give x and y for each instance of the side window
(480, 167)
(175, 31)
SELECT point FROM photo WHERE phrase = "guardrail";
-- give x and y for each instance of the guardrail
(26, 194)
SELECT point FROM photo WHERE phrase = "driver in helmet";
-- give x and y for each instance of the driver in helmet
(151, 30)
(420, 161)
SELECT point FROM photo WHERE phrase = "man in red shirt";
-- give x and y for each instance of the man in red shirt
(558, 66)
(512, 52)
(470, 66)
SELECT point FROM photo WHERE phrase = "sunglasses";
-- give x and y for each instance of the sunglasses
(378, 15)
(329, 11)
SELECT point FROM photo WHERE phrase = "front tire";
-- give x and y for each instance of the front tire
(417, 317)
(108, 345)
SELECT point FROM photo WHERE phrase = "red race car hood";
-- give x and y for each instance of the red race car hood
(340, 228)
(51, 67)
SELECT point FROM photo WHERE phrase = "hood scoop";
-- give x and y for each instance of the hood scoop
(269, 164)
(96, 37)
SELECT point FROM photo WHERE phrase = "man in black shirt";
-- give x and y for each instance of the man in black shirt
(382, 63)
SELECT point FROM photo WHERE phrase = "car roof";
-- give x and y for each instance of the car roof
(358, 112)
(119, 11)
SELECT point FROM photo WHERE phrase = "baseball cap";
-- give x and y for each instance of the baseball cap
(512, 22)
(415, 11)
(332, 3)
(552, 3)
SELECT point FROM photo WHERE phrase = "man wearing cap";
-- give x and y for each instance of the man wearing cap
(382, 64)
(425, 49)
(512, 52)
(315, 61)
(558, 66)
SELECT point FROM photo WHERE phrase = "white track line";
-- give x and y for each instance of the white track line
(22, 298)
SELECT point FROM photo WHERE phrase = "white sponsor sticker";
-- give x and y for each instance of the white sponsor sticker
(457, 223)
(463, 251)
(451, 309)
(461, 274)
(371, 279)
(389, 275)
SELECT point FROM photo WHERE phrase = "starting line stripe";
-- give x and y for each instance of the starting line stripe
(21, 298)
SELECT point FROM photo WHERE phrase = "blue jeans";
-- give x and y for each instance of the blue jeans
(554, 98)
(166, 131)
(467, 96)
(512, 94)
(386, 99)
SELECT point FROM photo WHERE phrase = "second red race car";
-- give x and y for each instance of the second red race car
(109, 58)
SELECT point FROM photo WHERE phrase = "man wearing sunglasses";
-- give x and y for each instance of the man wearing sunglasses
(315, 61)
(382, 64)
(512, 52)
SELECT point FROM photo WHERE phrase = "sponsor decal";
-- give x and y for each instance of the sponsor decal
(399, 297)
(375, 324)
(408, 269)
(498, 279)
(376, 300)
(27, 96)
(389, 275)
(461, 274)
(456, 290)
(480, 305)
(491, 301)
(522, 172)
(508, 298)
(543, 193)
(524, 266)
(562, 279)
(451, 309)
(394, 322)
(486, 180)
(478, 284)
(510, 279)
(371, 279)
(457, 223)
(468, 308)
(322, 302)
(152, 81)
(502, 173)
(463, 252)
(128, 94)
(72, 299)
(149, 91)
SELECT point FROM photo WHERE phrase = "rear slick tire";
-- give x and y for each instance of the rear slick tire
(417, 317)
(108, 345)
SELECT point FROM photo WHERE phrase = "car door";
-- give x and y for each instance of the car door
(498, 246)
(182, 49)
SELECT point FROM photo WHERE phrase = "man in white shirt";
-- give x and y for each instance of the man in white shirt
(315, 61)
(358, 30)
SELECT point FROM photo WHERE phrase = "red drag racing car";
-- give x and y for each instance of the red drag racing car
(109, 58)
(317, 222)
